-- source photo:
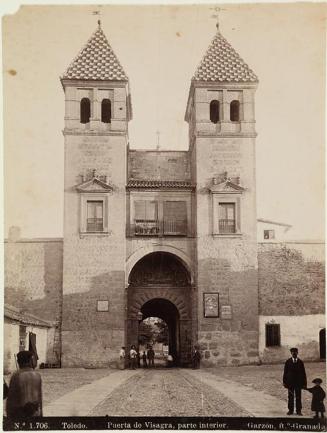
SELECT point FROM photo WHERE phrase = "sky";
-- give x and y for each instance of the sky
(160, 48)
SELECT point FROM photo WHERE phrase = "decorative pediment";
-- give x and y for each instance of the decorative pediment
(94, 185)
(227, 186)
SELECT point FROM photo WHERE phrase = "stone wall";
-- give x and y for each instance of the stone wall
(33, 276)
(158, 165)
(292, 295)
(94, 263)
(291, 279)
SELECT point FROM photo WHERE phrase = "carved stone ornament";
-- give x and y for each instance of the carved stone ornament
(227, 186)
(94, 185)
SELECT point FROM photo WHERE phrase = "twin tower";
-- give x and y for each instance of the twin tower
(167, 234)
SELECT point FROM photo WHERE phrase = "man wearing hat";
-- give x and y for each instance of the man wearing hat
(318, 396)
(25, 389)
(294, 379)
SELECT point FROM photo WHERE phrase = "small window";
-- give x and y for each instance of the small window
(106, 111)
(272, 335)
(227, 221)
(235, 111)
(214, 111)
(94, 221)
(269, 234)
(85, 110)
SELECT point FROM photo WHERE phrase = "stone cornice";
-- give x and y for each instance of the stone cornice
(93, 133)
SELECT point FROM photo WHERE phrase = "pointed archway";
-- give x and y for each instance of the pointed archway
(159, 286)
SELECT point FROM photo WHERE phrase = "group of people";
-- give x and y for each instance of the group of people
(24, 394)
(295, 379)
(133, 359)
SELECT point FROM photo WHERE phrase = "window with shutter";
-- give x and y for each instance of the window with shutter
(175, 218)
(272, 335)
(227, 222)
(146, 218)
(94, 216)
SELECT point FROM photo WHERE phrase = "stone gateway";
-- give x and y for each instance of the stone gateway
(168, 234)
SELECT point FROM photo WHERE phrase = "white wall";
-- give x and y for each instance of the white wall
(281, 232)
(295, 331)
(11, 343)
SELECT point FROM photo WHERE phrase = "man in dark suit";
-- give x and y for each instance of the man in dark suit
(294, 379)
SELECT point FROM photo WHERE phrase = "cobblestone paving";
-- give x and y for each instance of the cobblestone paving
(57, 382)
(166, 393)
(268, 378)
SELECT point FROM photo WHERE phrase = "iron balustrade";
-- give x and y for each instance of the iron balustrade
(146, 227)
(153, 227)
(175, 227)
(227, 226)
(94, 224)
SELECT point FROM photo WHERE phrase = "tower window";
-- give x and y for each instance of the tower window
(227, 220)
(272, 335)
(235, 111)
(94, 216)
(214, 111)
(85, 110)
(106, 111)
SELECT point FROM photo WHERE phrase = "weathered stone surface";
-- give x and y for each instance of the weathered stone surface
(213, 345)
(207, 354)
(289, 282)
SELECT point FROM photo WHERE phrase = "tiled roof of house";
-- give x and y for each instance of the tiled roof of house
(222, 63)
(173, 184)
(17, 315)
(96, 61)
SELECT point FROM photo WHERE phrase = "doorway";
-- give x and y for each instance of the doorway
(322, 343)
(159, 286)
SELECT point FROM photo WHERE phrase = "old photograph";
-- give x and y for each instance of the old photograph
(164, 211)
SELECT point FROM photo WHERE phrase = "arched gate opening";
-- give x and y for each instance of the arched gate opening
(160, 286)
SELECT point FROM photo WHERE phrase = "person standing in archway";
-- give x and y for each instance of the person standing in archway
(150, 356)
(196, 358)
(122, 356)
(133, 357)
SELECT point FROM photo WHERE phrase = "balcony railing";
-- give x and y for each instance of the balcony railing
(146, 227)
(94, 224)
(156, 227)
(175, 227)
(227, 226)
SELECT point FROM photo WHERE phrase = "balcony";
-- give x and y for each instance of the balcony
(175, 227)
(227, 226)
(169, 227)
(146, 227)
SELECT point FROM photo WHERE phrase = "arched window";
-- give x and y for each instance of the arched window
(85, 110)
(235, 111)
(106, 111)
(214, 111)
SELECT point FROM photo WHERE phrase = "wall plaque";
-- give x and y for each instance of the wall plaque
(211, 304)
(102, 305)
(226, 312)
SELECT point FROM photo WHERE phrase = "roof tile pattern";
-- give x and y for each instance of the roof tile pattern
(96, 61)
(171, 184)
(222, 63)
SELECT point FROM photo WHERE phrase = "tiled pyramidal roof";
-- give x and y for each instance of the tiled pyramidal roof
(96, 61)
(222, 63)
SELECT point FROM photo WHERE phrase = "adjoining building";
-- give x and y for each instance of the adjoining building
(168, 234)
(23, 331)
